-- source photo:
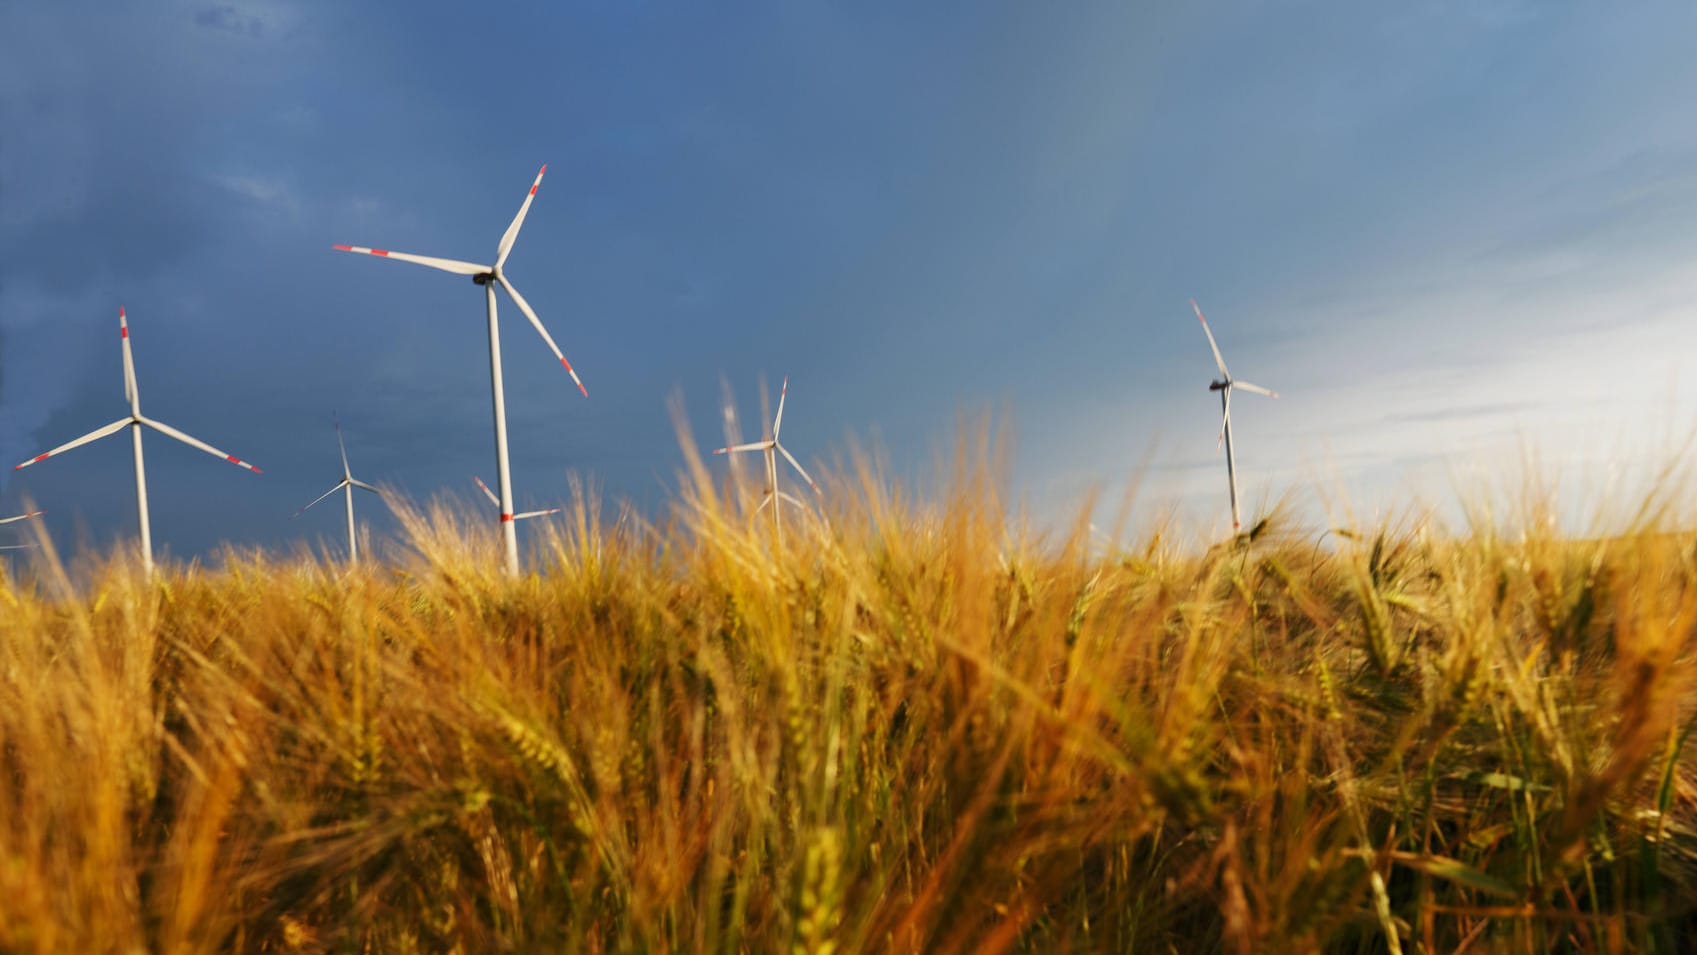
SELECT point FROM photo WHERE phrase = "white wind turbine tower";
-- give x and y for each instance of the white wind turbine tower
(135, 420)
(347, 483)
(1225, 386)
(497, 502)
(771, 449)
(489, 276)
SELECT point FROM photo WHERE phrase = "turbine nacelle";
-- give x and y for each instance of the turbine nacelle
(1219, 385)
(487, 274)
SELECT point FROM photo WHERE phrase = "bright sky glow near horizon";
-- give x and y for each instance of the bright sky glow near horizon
(1445, 233)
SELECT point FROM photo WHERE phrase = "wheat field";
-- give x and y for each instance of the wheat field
(913, 725)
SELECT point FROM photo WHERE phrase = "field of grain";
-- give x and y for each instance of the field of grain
(911, 726)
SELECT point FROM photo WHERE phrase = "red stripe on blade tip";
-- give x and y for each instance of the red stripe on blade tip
(343, 248)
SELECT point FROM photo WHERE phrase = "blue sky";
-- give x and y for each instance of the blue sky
(1446, 233)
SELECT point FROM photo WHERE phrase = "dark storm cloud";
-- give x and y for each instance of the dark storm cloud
(137, 224)
(906, 210)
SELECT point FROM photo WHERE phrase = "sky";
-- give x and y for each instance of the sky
(1454, 237)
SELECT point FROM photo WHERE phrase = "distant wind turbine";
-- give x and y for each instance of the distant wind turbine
(489, 276)
(1224, 386)
(135, 420)
(347, 483)
(771, 449)
(497, 502)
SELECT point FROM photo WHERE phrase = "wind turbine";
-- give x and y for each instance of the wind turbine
(20, 517)
(489, 276)
(135, 420)
(771, 448)
(497, 502)
(1224, 386)
(347, 483)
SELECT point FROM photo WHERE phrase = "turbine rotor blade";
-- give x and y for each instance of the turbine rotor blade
(21, 517)
(1210, 333)
(778, 422)
(751, 446)
(166, 429)
(346, 472)
(542, 513)
(1257, 389)
(797, 503)
(512, 233)
(447, 265)
(530, 313)
(763, 502)
(338, 487)
(356, 482)
(130, 393)
(95, 435)
(797, 465)
(486, 492)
